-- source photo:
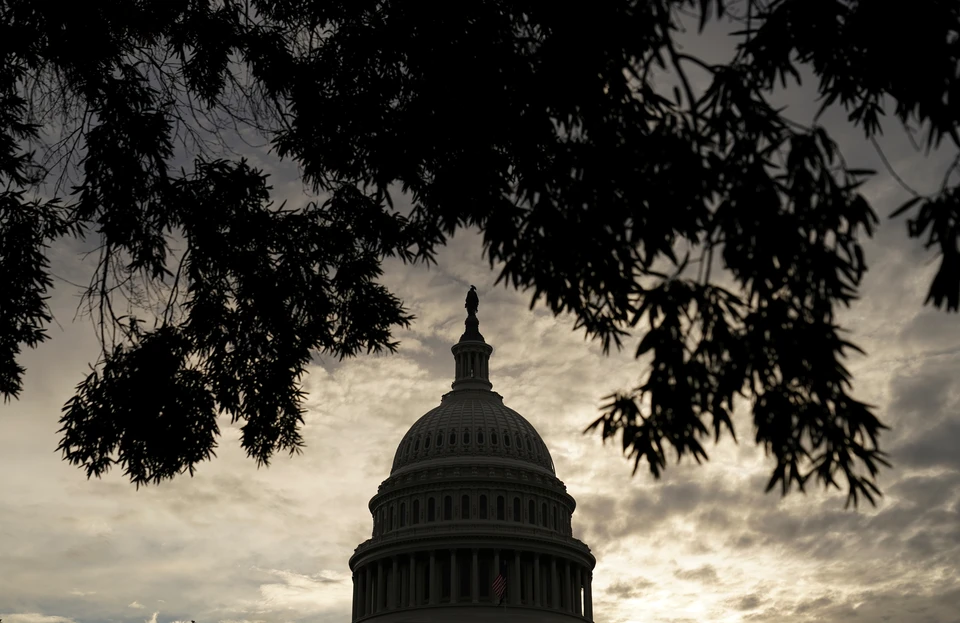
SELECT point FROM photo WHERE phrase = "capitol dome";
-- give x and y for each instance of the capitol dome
(472, 522)
(470, 425)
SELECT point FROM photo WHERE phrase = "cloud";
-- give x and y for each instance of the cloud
(925, 392)
(926, 492)
(153, 618)
(705, 573)
(748, 602)
(136, 604)
(813, 604)
(300, 592)
(933, 448)
(629, 590)
(34, 617)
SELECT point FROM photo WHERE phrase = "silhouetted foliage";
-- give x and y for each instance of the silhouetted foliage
(540, 126)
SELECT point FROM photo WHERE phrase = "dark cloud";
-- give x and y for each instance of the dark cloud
(656, 504)
(748, 602)
(935, 602)
(605, 521)
(928, 492)
(774, 526)
(705, 573)
(923, 395)
(813, 605)
(437, 361)
(766, 615)
(935, 329)
(936, 447)
(743, 541)
(629, 589)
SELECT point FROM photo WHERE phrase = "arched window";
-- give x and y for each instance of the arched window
(426, 442)
(447, 508)
(501, 510)
(453, 438)
(506, 439)
(554, 517)
(416, 512)
(406, 449)
(516, 509)
(403, 514)
(519, 441)
(529, 446)
(466, 438)
(493, 438)
(432, 509)
(416, 444)
(464, 507)
(480, 437)
(531, 512)
(483, 507)
(393, 513)
(439, 440)
(543, 514)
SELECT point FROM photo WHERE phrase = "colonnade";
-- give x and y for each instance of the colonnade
(462, 576)
(472, 363)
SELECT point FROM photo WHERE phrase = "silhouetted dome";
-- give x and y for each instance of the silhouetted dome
(472, 516)
(472, 423)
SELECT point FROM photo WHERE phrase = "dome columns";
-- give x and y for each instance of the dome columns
(472, 370)
(379, 592)
(356, 592)
(412, 577)
(514, 595)
(538, 588)
(433, 578)
(394, 584)
(577, 585)
(475, 582)
(454, 585)
(368, 592)
(588, 596)
(399, 582)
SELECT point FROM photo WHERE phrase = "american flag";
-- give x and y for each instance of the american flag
(500, 583)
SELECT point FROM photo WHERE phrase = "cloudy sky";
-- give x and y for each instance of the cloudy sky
(702, 544)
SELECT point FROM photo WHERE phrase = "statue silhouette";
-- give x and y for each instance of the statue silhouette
(473, 301)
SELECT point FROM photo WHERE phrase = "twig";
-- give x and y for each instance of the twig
(890, 170)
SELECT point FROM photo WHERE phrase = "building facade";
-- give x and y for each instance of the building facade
(472, 494)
